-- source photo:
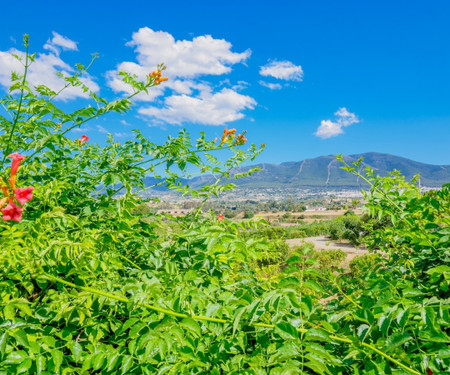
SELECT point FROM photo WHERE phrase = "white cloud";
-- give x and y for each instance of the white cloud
(285, 70)
(43, 71)
(60, 41)
(122, 135)
(188, 98)
(328, 128)
(101, 129)
(272, 86)
(184, 58)
(81, 129)
(208, 108)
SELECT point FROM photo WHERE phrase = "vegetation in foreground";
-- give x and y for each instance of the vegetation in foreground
(89, 285)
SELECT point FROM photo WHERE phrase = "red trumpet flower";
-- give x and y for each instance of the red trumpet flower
(24, 195)
(16, 159)
(12, 212)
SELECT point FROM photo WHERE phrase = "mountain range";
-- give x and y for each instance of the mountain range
(325, 171)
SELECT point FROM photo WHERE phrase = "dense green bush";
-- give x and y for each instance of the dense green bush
(330, 259)
(363, 264)
(89, 285)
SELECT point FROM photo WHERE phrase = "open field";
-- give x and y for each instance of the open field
(306, 216)
(324, 243)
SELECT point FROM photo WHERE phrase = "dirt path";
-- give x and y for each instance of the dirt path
(324, 243)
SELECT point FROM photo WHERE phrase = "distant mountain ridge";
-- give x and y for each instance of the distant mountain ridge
(325, 171)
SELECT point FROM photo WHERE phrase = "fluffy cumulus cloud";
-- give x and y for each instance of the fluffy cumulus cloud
(207, 108)
(284, 70)
(44, 70)
(184, 58)
(187, 96)
(329, 128)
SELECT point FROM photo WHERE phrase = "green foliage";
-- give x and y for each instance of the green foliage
(330, 259)
(92, 283)
(248, 214)
(364, 264)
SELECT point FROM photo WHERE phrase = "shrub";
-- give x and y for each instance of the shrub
(248, 214)
(362, 264)
(330, 259)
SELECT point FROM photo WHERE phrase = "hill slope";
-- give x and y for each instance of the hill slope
(325, 171)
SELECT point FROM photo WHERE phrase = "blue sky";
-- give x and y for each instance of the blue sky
(305, 78)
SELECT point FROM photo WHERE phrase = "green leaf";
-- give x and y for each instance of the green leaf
(41, 361)
(21, 337)
(363, 330)
(192, 326)
(16, 357)
(112, 361)
(314, 285)
(439, 269)
(76, 350)
(410, 292)
(98, 360)
(402, 317)
(24, 366)
(237, 319)
(383, 323)
(3, 342)
(286, 331)
(397, 339)
(429, 317)
(57, 357)
(315, 334)
(317, 367)
(127, 363)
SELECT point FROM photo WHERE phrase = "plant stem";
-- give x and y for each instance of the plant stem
(16, 119)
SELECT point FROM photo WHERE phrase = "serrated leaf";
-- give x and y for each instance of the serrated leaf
(192, 326)
(317, 367)
(41, 361)
(57, 357)
(402, 317)
(363, 329)
(286, 331)
(315, 334)
(3, 341)
(397, 339)
(314, 285)
(112, 361)
(127, 363)
(384, 323)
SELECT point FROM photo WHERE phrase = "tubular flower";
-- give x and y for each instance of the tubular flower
(12, 212)
(162, 79)
(84, 138)
(240, 139)
(16, 159)
(12, 182)
(3, 201)
(225, 135)
(156, 74)
(220, 217)
(24, 195)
